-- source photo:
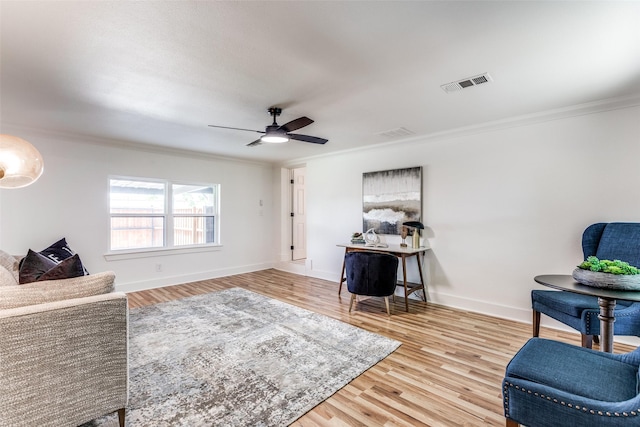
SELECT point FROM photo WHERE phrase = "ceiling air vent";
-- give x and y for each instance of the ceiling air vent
(466, 83)
(396, 133)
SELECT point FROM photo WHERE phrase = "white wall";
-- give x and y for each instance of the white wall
(71, 200)
(500, 206)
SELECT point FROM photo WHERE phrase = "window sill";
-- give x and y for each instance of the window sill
(155, 252)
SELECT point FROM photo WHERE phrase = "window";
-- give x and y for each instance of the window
(161, 214)
(193, 214)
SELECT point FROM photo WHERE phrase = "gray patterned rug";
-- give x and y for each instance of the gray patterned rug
(237, 358)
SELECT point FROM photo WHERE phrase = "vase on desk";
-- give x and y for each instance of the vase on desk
(416, 238)
(417, 226)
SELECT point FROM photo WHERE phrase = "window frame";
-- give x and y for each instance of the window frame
(168, 216)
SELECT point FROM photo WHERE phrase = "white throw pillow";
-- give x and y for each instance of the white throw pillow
(7, 278)
(9, 262)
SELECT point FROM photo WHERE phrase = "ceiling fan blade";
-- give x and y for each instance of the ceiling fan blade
(296, 124)
(254, 143)
(226, 127)
(307, 138)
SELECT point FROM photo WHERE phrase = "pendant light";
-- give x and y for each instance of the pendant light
(20, 162)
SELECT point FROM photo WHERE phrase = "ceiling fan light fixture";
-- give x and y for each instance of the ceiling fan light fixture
(275, 138)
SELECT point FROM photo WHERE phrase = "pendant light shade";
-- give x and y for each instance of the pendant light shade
(20, 162)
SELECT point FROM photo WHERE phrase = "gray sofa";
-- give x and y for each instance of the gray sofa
(63, 351)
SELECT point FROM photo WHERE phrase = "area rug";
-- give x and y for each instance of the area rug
(237, 358)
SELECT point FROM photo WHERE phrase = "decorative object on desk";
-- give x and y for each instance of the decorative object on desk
(417, 226)
(403, 234)
(370, 237)
(20, 162)
(607, 274)
(390, 198)
(372, 240)
(357, 238)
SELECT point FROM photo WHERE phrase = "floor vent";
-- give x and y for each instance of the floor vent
(466, 83)
(396, 133)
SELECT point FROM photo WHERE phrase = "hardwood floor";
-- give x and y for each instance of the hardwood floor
(447, 372)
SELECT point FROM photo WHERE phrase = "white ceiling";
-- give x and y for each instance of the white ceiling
(159, 72)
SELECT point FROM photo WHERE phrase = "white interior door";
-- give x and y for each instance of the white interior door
(299, 219)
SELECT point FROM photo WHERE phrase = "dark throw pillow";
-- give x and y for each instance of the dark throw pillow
(33, 266)
(37, 267)
(70, 267)
(57, 252)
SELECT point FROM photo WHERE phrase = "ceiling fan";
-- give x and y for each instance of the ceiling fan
(276, 134)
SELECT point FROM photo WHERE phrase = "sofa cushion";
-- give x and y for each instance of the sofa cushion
(56, 290)
(37, 267)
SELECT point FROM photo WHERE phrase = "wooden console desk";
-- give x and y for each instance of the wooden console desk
(401, 252)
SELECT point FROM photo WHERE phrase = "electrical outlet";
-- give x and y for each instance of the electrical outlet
(158, 268)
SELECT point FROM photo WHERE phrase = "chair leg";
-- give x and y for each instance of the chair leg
(511, 423)
(587, 341)
(536, 324)
(353, 298)
(386, 301)
(121, 416)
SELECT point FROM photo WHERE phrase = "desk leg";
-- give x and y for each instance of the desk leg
(607, 317)
(404, 282)
(424, 289)
(342, 278)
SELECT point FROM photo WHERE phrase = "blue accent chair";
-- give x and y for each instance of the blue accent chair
(614, 240)
(371, 274)
(553, 384)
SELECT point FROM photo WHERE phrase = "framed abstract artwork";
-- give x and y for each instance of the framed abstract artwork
(390, 198)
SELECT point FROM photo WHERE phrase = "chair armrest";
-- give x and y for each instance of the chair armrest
(63, 362)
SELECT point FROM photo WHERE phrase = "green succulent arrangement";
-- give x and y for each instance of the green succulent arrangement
(607, 266)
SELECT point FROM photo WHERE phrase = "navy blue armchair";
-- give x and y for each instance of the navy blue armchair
(371, 274)
(553, 384)
(614, 240)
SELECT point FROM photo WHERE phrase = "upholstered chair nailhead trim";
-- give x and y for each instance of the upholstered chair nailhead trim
(578, 407)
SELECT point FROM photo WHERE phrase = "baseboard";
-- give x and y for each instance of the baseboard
(306, 270)
(186, 278)
(291, 267)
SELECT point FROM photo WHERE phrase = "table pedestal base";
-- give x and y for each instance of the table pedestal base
(607, 317)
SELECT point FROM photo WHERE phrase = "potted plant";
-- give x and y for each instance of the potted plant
(608, 274)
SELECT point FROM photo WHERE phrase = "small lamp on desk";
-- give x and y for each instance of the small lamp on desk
(417, 226)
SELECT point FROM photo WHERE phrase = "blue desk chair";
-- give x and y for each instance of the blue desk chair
(371, 274)
(554, 384)
(614, 240)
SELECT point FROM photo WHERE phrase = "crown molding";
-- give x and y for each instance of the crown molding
(595, 107)
(128, 145)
